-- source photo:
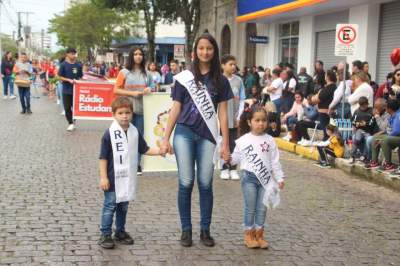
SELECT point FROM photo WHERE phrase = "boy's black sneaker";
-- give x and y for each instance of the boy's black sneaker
(29, 111)
(323, 165)
(186, 238)
(106, 242)
(123, 238)
(139, 170)
(206, 238)
(22, 112)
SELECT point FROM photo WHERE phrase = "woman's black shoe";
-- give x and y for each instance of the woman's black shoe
(206, 239)
(106, 241)
(186, 238)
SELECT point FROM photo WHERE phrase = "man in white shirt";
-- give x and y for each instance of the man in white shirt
(360, 87)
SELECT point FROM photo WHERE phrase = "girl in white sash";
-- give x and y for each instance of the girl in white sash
(197, 95)
(262, 176)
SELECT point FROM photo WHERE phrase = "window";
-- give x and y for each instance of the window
(289, 42)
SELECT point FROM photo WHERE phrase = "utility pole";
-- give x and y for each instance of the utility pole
(26, 30)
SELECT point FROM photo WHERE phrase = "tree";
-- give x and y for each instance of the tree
(89, 28)
(151, 11)
(8, 44)
(189, 13)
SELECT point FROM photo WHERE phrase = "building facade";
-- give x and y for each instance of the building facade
(301, 32)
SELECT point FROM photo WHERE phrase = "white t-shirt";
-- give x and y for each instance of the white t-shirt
(363, 90)
(278, 85)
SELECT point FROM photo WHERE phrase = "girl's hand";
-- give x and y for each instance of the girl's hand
(104, 184)
(146, 91)
(225, 153)
(281, 185)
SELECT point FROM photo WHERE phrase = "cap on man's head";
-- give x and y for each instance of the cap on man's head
(70, 50)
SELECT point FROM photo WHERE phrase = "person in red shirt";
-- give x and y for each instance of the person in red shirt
(383, 90)
(51, 78)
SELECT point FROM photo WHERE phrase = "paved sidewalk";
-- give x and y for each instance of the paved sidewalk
(50, 207)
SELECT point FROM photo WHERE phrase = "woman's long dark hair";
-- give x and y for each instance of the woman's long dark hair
(215, 65)
(130, 64)
(5, 56)
(247, 115)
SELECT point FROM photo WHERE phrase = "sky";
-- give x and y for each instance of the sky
(43, 10)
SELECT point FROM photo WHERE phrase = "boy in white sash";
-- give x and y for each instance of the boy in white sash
(262, 176)
(120, 146)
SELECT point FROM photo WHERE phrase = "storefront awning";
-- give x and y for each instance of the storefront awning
(254, 9)
(264, 11)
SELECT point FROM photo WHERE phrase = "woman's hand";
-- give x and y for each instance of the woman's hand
(104, 184)
(225, 153)
(165, 148)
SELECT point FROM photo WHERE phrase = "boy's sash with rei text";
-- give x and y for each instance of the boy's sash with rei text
(125, 153)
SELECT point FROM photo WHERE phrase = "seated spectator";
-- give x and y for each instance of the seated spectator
(360, 88)
(364, 125)
(336, 106)
(382, 120)
(334, 146)
(309, 117)
(291, 117)
(388, 141)
(274, 125)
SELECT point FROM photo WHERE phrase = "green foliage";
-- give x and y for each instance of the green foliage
(150, 9)
(8, 44)
(88, 26)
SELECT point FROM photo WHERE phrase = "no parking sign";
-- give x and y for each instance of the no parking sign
(346, 39)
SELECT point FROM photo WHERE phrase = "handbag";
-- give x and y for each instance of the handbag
(22, 82)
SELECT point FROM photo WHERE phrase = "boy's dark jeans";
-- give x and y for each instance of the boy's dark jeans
(109, 208)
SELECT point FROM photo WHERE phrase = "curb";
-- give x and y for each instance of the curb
(356, 170)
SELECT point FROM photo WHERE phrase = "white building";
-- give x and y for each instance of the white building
(301, 32)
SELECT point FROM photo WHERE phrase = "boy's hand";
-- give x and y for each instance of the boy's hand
(281, 184)
(165, 148)
(104, 184)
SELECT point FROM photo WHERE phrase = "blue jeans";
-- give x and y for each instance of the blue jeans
(278, 103)
(254, 209)
(109, 208)
(8, 82)
(25, 98)
(368, 147)
(291, 121)
(138, 122)
(191, 150)
(60, 94)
